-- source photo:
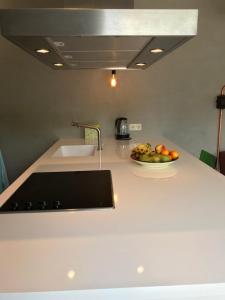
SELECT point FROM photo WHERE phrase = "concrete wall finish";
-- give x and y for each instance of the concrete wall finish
(175, 97)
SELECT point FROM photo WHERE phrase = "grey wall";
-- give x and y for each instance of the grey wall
(31, 3)
(99, 3)
(174, 97)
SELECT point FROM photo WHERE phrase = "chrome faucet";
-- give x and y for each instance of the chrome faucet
(84, 125)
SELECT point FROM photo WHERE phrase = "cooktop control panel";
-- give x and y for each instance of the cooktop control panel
(60, 191)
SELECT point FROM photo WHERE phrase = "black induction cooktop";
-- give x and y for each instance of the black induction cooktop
(60, 191)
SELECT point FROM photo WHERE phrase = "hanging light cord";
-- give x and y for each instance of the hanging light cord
(219, 133)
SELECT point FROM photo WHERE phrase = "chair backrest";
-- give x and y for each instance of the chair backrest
(208, 158)
(3, 175)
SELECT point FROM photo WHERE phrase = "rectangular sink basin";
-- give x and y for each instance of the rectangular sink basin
(74, 150)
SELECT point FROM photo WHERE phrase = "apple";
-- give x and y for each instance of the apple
(159, 148)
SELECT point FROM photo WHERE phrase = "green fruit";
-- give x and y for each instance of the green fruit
(144, 157)
(165, 158)
(151, 159)
(156, 158)
(148, 146)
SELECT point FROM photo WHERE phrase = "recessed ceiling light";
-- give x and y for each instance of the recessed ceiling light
(140, 64)
(140, 269)
(71, 274)
(58, 65)
(42, 51)
(156, 50)
(68, 56)
(59, 44)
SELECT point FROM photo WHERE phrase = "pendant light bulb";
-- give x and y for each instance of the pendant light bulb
(113, 81)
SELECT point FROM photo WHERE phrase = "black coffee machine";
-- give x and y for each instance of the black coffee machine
(121, 129)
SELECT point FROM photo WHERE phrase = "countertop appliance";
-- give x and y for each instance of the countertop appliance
(95, 38)
(121, 128)
(60, 191)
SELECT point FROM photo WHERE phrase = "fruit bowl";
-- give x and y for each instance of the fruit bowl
(159, 158)
(150, 165)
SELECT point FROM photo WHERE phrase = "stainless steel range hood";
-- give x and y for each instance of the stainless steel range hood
(98, 38)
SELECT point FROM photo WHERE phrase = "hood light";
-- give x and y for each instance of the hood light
(141, 64)
(42, 51)
(156, 50)
(113, 80)
(58, 65)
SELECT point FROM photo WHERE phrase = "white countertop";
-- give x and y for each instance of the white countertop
(168, 228)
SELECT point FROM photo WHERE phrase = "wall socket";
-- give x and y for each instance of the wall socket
(135, 127)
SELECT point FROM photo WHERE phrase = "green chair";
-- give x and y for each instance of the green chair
(3, 175)
(208, 158)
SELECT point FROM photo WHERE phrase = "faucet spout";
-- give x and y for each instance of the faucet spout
(99, 132)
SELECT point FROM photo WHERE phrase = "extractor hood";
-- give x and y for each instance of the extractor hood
(98, 38)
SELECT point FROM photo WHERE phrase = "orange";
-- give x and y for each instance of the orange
(174, 154)
(165, 152)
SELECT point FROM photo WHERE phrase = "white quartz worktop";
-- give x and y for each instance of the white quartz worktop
(167, 229)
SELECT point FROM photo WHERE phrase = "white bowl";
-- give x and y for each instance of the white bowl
(155, 166)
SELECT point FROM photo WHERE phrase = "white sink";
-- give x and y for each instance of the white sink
(74, 150)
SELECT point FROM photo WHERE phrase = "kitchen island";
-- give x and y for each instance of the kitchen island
(164, 239)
